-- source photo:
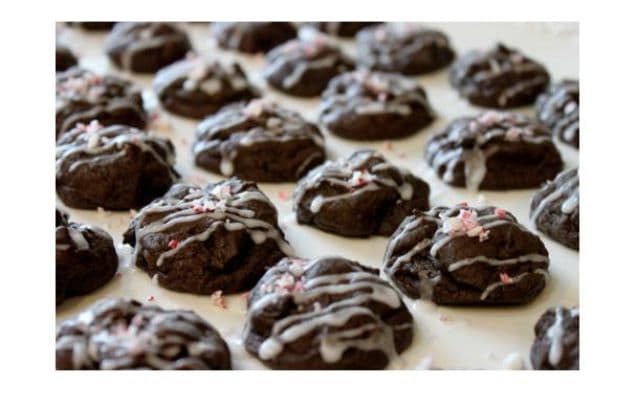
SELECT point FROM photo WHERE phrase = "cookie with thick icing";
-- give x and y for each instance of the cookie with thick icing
(555, 208)
(341, 29)
(558, 108)
(123, 334)
(259, 141)
(252, 37)
(64, 58)
(406, 48)
(304, 66)
(556, 343)
(466, 256)
(146, 47)
(327, 313)
(364, 105)
(82, 96)
(360, 196)
(201, 240)
(85, 258)
(499, 77)
(114, 167)
(494, 151)
(197, 87)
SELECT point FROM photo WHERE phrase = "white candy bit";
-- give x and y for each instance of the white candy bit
(255, 108)
(452, 225)
(93, 141)
(377, 85)
(513, 134)
(297, 267)
(465, 223)
(222, 192)
(570, 107)
(198, 72)
(273, 122)
(483, 235)
(360, 178)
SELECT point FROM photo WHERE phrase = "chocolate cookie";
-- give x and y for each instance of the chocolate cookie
(363, 105)
(82, 96)
(197, 87)
(222, 237)
(252, 37)
(64, 58)
(466, 256)
(122, 334)
(494, 151)
(327, 313)
(145, 47)
(115, 167)
(556, 344)
(359, 196)
(304, 66)
(499, 77)
(85, 258)
(558, 108)
(93, 26)
(258, 141)
(555, 209)
(407, 48)
(341, 29)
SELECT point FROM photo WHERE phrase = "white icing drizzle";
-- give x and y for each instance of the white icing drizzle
(357, 175)
(497, 262)
(97, 145)
(362, 287)
(488, 131)
(219, 204)
(555, 335)
(559, 109)
(565, 189)
(512, 280)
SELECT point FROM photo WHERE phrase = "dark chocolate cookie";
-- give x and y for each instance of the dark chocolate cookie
(85, 258)
(197, 87)
(252, 37)
(326, 313)
(558, 108)
(146, 47)
(222, 237)
(499, 77)
(93, 26)
(359, 196)
(494, 151)
(115, 167)
(363, 105)
(258, 141)
(82, 96)
(341, 29)
(304, 66)
(555, 209)
(556, 344)
(466, 256)
(407, 48)
(122, 334)
(64, 58)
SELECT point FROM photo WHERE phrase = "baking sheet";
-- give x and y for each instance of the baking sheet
(445, 337)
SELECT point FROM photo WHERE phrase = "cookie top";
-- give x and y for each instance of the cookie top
(407, 48)
(197, 87)
(122, 334)
(82, 96)
(359, 196)
(341, 29)
(325, 313)
(64, 58)
(115, 167)
(304, 66)
(555, 208)
(366, 105)
(465, 255)
(201, 240)
(252, 37)
(558, 108)
(259, 141)
(500, 77)
(494, 151)
(145, 47)
(556, 344)
(85, 258)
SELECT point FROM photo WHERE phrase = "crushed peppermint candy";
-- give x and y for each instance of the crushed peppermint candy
(387, 145)
(222, 192)
(150, 298)
(465, 223)
(218, 299)
(173, 243)
(283, 195)
(501, 213)
(360, 178)
(505, 278)
(286, 283)
(488, 119)
(513, 134)
(90, 128)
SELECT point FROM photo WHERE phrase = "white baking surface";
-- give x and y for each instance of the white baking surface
(445, 337)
